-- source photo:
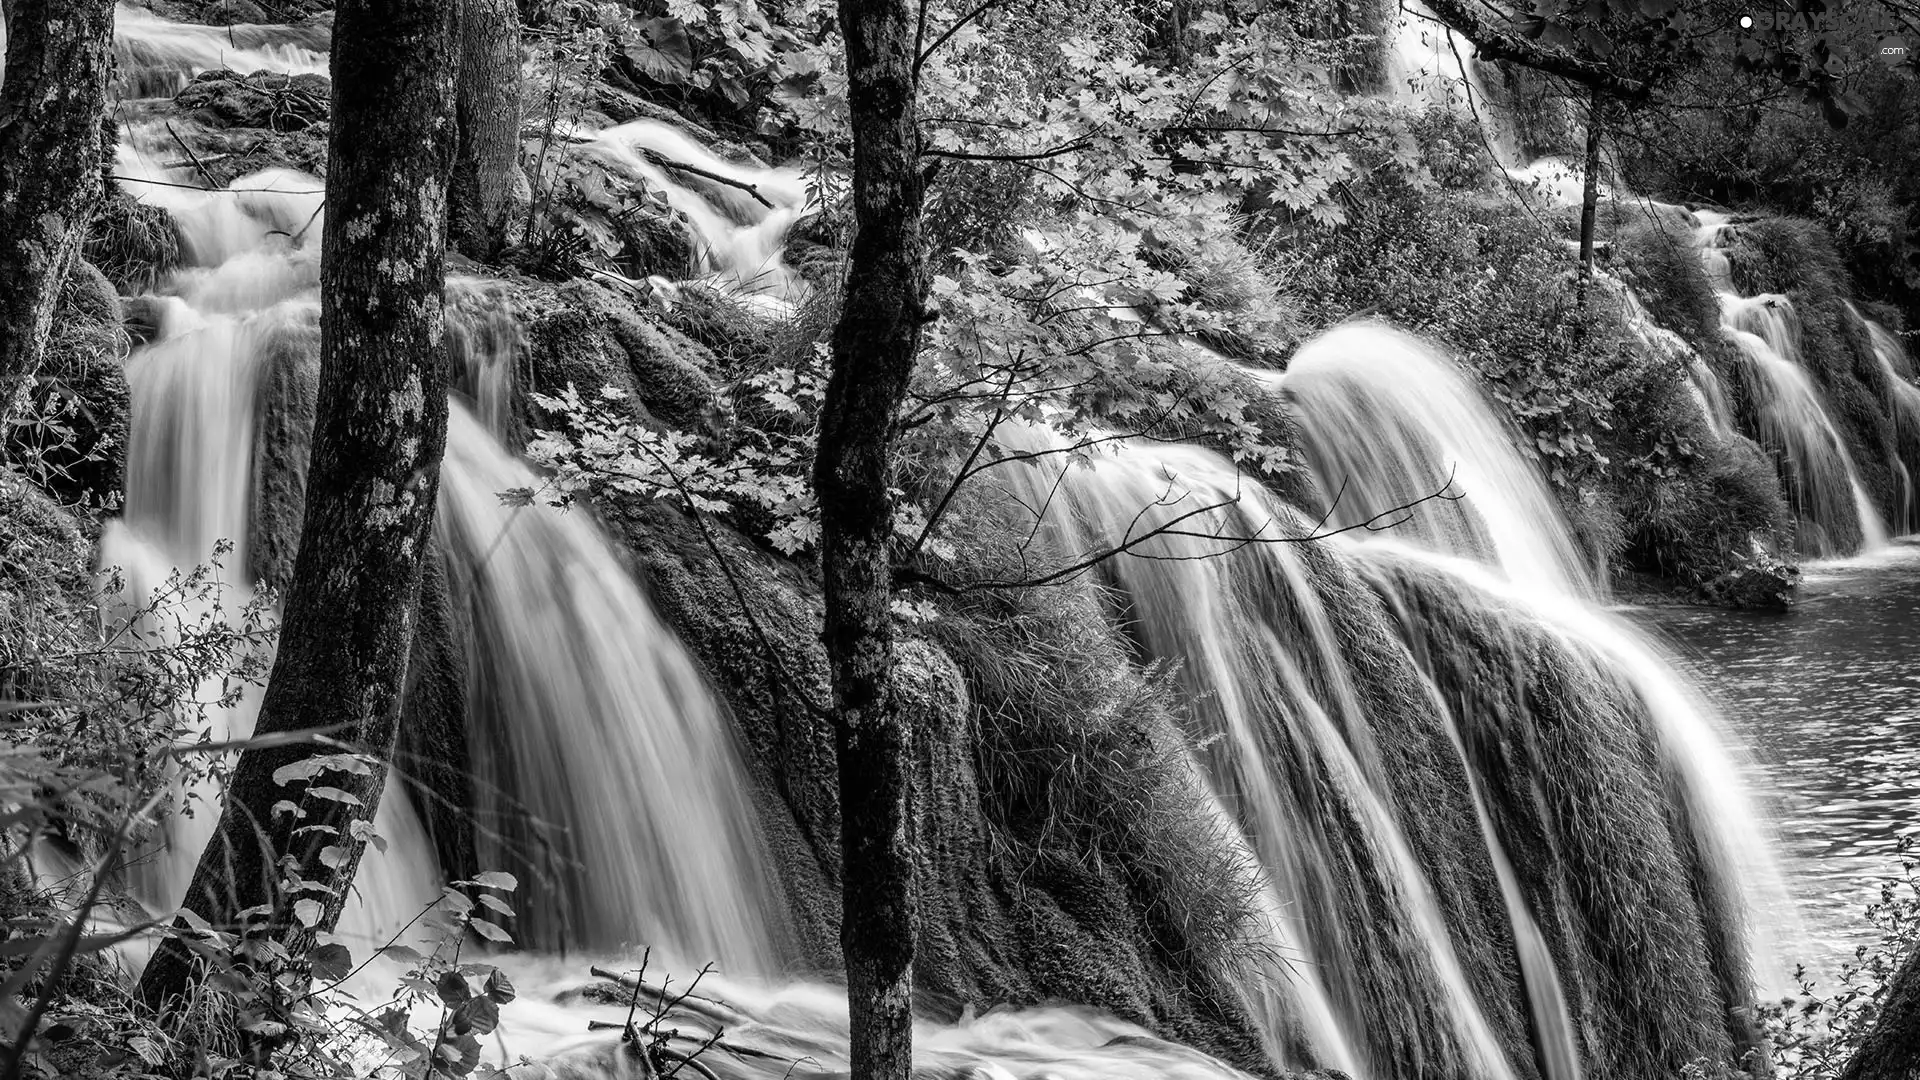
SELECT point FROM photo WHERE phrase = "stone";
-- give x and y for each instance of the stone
(263, 99)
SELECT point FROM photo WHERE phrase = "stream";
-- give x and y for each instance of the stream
(1827, 698)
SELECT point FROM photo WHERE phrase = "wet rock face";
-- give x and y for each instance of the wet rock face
(263, 99)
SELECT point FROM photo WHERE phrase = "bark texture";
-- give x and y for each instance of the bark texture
(490, 195)
(874, 345)
(59, 58)
(1590, 191)
(1891, 1050)
(379, 430)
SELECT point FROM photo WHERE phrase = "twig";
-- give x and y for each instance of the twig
(193, 157)
(687, 1060)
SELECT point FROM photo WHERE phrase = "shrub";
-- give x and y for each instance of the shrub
(1812, 1033)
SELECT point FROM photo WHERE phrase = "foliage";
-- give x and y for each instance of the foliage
(608, 451)
(1813, 1033)
(1604, 407)
(302, 1017)
(108, 697)
(1491, 284)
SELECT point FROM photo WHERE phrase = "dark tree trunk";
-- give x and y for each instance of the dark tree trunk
(379, 430)
(1590, 194)
(59, 58)
(1891, 1050)
(873, 354)
(490, 194)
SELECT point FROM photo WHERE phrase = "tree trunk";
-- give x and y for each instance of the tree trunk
(1590, 194)
(874, 345)
(1891, 1050)
(490, 196)
(59, 58)
(379, 430)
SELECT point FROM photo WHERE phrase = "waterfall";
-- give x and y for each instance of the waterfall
(1428, 430)
(1500, 837)
(562, 639)
(1823, 486)
(190, 485)
(739, 216)
(581, 701)
(1365, 767)
(1898, 369)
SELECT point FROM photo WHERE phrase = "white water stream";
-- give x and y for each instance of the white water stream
(604, 732)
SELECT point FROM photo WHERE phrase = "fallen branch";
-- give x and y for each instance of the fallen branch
(717, 1011)
(666, 162)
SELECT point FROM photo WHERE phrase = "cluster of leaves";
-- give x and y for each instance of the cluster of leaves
(607, 450)
(1812, 1034)
(300, 1014)
(108, 700)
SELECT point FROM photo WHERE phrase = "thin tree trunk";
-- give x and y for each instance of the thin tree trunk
(59, 58)
(1891, 1050)
(1590, 194)
(490, 196)
(379, 430)
(874, 345)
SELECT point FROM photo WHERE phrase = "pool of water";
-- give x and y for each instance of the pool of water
(1827, 699)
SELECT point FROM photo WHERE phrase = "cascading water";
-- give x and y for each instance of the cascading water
(158, 57)
(740, 216)
(1336, 721)
(1702, 382)
(585, 702)
(563, 639)
(1822, 484)
(593, 732)
(1461, 893)
(1897, 366)
(1429, 431)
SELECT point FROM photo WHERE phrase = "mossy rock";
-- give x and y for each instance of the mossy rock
(134, 244)
(229, 154)
(284, 404)
(240, 12)
(46, 577)
(75, 440)
(585, 335)
(264, 99)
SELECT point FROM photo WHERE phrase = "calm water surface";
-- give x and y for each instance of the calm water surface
(1827, 699)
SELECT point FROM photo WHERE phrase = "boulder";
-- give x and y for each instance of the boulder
(287, 396)
(134, 244)
(587, 335)
(264, 99)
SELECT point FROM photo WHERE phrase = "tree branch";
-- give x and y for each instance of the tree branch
(666, 162)
(1495, 43)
